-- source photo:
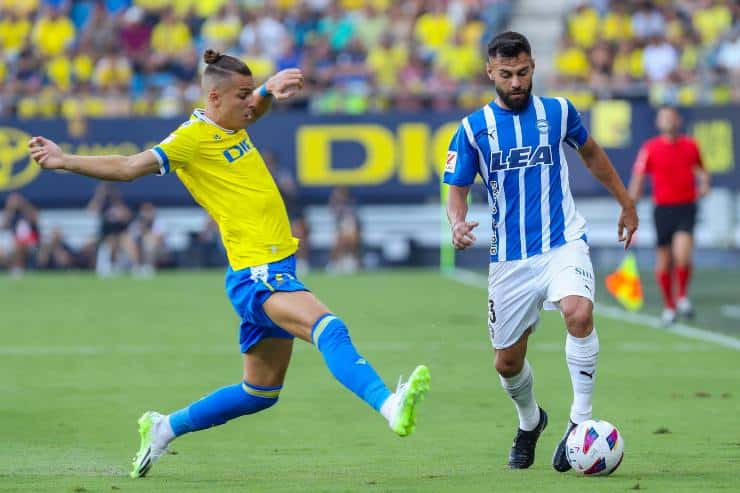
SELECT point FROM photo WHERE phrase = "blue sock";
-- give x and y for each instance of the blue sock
(330, 336)
(222, 405)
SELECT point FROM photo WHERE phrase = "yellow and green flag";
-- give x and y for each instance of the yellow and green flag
(624, 284)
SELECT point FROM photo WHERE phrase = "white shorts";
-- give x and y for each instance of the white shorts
(518, 289)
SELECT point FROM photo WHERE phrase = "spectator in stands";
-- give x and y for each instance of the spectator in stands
(204, 248)
(338, 27)
(668, 51)
(385, 61)
(170, 36)
(616, 25)
(371, 23)
(221, 31)
(101, 28)
(21, 218)
(113, 70)
(571, 63)
(674, 163)
(583, 25)
(460, 60)
(114, 237)
(134, 37)
(345, 253)
(728, 53)
(149, 236)
(56, 254)
(601, 61)
(62, 45)
(711, 19)
(301, 25)
(412, 84)
(433, 28)
(53, 32)
(351, 72)
(660, 59)
(648, 21)
(14, 31)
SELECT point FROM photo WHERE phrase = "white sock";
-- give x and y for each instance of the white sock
(388, 406)
(163, 432)
(581, 355)
(521, 390)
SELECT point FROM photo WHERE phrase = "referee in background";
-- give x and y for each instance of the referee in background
(673, 162)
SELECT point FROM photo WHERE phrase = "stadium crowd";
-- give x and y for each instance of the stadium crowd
(141, 57)
(681, 52)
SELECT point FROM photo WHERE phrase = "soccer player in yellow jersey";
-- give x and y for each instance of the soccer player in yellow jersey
(215, 159)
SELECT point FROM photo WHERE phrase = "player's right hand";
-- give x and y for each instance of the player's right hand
(46, 153)
(462, 234)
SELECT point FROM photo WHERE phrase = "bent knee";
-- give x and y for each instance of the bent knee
(508, 366)
(579, 320)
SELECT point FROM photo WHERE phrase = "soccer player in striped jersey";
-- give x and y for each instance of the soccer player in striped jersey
(217, 162)
(538, 253)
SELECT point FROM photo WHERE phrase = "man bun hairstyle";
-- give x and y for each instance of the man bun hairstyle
(222, 65)
(509, 44)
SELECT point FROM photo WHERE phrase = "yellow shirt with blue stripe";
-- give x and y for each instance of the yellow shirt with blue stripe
(225, 174)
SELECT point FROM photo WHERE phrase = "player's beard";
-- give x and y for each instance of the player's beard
(515, 104)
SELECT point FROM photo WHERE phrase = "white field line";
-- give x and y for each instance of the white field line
(476, 280)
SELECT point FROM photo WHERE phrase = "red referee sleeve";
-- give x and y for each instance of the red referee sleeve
(641, 162)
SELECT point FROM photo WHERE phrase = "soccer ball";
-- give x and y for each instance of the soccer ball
(595, 448)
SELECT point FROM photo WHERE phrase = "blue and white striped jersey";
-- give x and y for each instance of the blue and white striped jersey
(520, 157)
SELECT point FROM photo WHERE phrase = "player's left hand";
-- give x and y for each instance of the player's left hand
(285, 83)
(627, 226)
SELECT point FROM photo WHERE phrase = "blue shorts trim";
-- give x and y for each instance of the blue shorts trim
(249, 288)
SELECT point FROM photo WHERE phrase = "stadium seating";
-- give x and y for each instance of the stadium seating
(681, 53)
(142, 57)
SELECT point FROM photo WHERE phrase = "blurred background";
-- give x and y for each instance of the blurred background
(358, 156)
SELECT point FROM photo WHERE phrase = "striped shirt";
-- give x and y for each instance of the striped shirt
(519, 155)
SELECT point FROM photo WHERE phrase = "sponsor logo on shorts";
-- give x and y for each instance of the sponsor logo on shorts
(584, 273)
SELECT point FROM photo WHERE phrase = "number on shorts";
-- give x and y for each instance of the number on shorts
(491, 312)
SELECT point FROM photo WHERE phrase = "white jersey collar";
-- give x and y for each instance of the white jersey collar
(200, 114)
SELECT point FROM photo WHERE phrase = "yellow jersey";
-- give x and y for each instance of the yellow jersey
(225, 174)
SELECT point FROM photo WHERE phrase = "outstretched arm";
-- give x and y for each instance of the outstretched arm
(281, 86)
(600, 166)
(112, 167)
(637, 183)
(457, 209)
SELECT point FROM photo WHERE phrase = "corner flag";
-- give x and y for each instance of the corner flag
(624, 284)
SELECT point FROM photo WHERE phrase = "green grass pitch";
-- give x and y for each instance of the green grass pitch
(80, 359)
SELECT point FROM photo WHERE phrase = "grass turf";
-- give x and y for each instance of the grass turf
(81, 358)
